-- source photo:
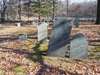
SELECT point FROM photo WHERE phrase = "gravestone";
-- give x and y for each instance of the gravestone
(42, 31)
(0, 25)
(79, 47)
(59, 38)
(23, 37)
(76, 21)
(18, 24)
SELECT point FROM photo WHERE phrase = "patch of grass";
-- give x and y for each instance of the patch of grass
(91, 54)
(2, 72)
(19, 70)
(43, 46)
(97, 57)
(97, 49)
(21, 73)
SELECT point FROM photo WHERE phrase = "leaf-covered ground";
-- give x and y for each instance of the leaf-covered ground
(17, 63)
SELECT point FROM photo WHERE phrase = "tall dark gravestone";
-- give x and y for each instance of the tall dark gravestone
(59, 38)
(79, 47)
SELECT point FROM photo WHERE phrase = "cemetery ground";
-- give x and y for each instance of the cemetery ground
(17, 57)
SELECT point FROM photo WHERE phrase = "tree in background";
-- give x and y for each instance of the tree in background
(3, 9)
(11, 10)
(98, 12)
(43, 8)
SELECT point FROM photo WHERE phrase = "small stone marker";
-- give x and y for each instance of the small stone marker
(59, 38)
(0, 25)
(79, 47)
(42, 31)
(18, 24)
(34, 23)
(23, 37)
(76, 21)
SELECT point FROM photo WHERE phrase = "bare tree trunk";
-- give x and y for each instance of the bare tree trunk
(3, 16)
(67, 1)
(29, 10)
(19, 10)
(98, 12)
(3, 12)
(53, 10)
(39, 15)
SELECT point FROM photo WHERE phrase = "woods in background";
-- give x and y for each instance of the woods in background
(13, 9)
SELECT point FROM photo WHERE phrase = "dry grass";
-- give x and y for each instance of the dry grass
(13, 30)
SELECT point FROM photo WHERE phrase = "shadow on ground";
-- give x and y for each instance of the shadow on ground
(38, 58)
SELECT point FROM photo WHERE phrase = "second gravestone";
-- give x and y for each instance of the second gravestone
(42, 31)
(59, 38)
(79, 47)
